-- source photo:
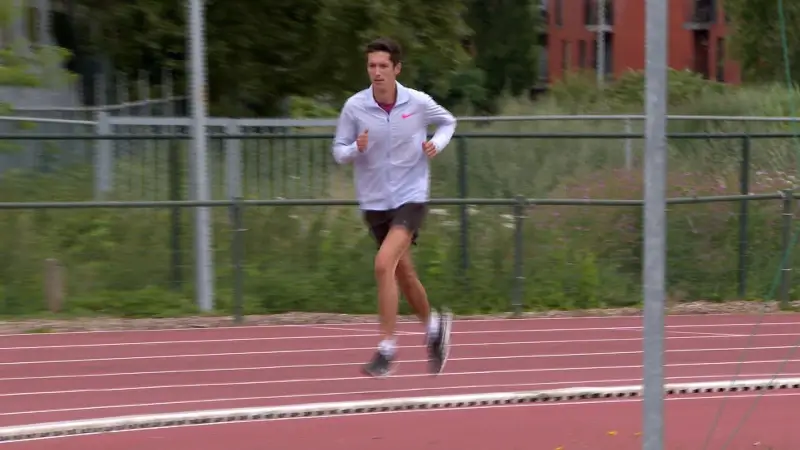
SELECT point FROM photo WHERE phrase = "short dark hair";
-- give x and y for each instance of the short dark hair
(386, 45)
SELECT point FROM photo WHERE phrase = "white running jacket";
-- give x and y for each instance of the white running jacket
(393, 170)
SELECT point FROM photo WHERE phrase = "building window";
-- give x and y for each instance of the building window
(6, 36)
(33, 24)
(721, 60)
(588, 12)
(609, 51)
(543, 64)
(582, 54)
(591, 12)
(558, 13)
(566, 57)
(703, 11)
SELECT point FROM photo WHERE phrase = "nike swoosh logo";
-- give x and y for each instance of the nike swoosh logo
(406, 116)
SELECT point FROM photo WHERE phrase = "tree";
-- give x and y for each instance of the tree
(756, 41)
(262, 52)
(430, 34)
(256, 51)
(505, 44)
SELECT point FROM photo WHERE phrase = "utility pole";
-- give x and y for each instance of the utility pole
(196, 69)
(655, 218)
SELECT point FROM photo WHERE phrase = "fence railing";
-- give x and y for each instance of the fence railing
(471, 169)
(102, 122)
(95, 116)
(521, 209)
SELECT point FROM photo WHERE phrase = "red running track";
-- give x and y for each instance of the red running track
(54, 377)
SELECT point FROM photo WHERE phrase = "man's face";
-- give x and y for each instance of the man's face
(381, 70)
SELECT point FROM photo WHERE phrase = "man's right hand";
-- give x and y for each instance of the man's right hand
(362, 140)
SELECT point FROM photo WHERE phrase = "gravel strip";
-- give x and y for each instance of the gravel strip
(300, 318)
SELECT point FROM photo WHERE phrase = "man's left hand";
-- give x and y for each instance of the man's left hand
(429, 148)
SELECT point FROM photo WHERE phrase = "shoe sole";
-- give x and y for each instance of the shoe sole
(388, 373)
(446, 327)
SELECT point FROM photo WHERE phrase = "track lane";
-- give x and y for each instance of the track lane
(741, 324)
(344, 346)
(299, 378)
(106, 374)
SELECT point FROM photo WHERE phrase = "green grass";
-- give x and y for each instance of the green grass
(121, 262)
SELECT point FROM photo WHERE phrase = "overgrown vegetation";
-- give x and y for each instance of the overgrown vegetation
(120, 262)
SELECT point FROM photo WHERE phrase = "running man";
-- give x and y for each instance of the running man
(382, 131)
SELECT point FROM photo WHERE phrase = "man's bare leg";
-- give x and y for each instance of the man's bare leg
(386, 261)
(394, 271)
(412, 288)
(437, 327)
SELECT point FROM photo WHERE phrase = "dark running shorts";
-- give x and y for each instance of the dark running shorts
(409, 215)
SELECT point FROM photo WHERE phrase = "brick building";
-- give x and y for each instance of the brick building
(696, 34)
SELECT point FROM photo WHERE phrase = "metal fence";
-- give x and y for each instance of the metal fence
(505, 172)
(238, 229)
(157, 115)
(44, 111)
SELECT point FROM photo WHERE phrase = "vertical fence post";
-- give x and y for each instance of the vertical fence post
(786, 242)
(519, 279)
(237, 254)
(744, 189)
(233, 159)
(175, 194)
(628, 145)
(461, 155)
(103, 159)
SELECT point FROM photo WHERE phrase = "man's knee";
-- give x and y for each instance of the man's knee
(384, 264)
(389, 255)
(405, 268)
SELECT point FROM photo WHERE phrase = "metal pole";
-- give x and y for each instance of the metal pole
(197, 65)
(519, 255)
(744, 208)
(655, 167)
(786, 266)
(237, 251)
(601, 42)
(103, 159)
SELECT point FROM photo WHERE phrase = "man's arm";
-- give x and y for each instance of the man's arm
(345, 148)
(444, 121)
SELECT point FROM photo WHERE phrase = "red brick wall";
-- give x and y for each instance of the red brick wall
(629, 38)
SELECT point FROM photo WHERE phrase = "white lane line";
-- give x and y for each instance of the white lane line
(460, 322)
(218, 341)
(676, 317)
(359, 378)
(411, 333)
(697, 333)
(372, 335)
(712, 378)
(272, 352)
(359, 363)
